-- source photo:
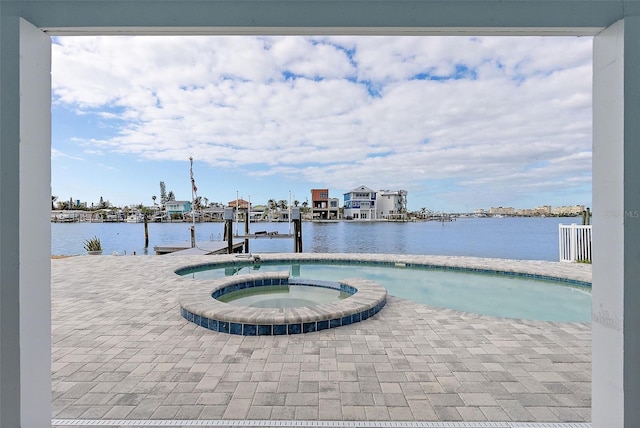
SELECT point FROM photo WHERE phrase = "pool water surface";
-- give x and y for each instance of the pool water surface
(283, 296)
(509, 296)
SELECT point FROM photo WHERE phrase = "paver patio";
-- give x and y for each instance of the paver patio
(121, 350)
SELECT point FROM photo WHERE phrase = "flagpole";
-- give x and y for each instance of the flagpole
(289, 212)
(237, 213)
(194, 189)
(247, 219)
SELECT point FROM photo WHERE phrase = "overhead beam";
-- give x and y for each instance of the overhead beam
(444, 17)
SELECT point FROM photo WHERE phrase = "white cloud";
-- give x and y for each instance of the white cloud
(343, 111)
(57, 154)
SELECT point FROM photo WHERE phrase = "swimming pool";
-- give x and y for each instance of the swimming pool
(495, 293)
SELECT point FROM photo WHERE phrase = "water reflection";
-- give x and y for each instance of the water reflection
(512, 238)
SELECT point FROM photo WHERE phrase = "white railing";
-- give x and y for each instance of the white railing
(575, 243)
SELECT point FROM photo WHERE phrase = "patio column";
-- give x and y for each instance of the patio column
(616, 238)
(9, 214)
(25, 243)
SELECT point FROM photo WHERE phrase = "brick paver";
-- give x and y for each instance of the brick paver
(120, 349)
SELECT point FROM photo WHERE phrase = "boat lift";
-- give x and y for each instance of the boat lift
(228, 230)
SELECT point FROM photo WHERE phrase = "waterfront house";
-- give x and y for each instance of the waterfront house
(177, 208)
(258, 213)
(70, 216)
(322, 206)
(360, 204)
(365, 204)
(392, 205)
(214, 212)
(240, 203)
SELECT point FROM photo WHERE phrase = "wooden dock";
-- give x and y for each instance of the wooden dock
(265, 235)
(201, 248)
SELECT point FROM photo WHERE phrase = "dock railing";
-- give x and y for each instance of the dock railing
(575, 243)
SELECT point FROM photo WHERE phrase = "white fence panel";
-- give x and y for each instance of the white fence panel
(575, 243)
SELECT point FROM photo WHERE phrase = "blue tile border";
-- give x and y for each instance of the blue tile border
(265, 330)
(236, 328)
(223, 327)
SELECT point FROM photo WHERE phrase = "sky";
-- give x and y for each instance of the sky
(461, 123)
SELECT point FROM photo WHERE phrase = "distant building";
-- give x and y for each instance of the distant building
(569, 210)
(544, 210)
(322, 206)
(363, 203)
(360, 204)
(70, 216)
(541, 211)
(525, 212)
(240, 203)
(214, 212)
(258, 212)
(502, 211)
(392, 204)
(177, 207)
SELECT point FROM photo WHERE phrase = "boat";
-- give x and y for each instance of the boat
(68, 218)
(134, 218)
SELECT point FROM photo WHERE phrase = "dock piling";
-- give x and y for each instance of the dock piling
(297, 230)
(146, 232)
(246, 231)
(228, 228)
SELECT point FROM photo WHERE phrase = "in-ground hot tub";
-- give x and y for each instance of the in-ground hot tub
(294, 294)
(202, 307)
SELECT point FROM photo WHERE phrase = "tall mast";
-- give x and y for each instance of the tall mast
(237, 213)
(194, 191)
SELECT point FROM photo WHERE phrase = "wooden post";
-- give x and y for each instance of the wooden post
(229, 235)
(297, 236)
(300, 235)
(146, 232)
(297, 230)
(228, 229)
(246, 230)
(193, 236)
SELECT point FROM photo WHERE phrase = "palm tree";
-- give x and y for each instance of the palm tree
(53, 200)
(272, 204)
(283, 204)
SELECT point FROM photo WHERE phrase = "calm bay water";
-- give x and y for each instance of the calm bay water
(509, 238)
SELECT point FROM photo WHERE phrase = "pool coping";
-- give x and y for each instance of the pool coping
(199, 306)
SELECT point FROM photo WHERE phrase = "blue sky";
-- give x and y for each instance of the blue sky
(459, 122)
